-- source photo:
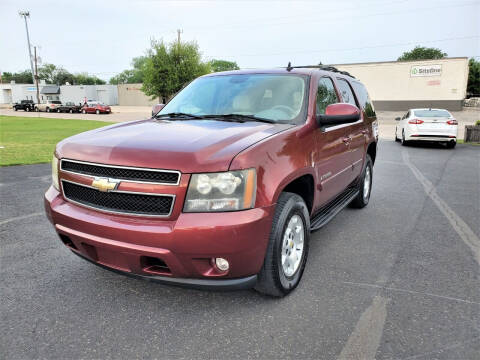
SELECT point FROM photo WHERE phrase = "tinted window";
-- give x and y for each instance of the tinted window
(432, 113)
(346, 91)
(326, 94)
(363, 98)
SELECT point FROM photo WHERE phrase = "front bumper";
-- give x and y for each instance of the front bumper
(185, 246)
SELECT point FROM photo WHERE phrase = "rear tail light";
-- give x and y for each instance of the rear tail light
(452, 122)
(415, 121)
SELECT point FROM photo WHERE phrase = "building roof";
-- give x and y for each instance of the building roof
(50, 89)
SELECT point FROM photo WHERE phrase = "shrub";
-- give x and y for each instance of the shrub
(477, 123)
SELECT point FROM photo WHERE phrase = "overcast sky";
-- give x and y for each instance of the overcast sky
(101, 37)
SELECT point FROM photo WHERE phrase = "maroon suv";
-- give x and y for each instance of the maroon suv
(221, 188)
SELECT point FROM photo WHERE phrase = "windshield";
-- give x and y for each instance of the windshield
(55, 102)
(273, 97)
(432, 113)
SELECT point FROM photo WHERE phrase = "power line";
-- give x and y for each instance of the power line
(349, 49)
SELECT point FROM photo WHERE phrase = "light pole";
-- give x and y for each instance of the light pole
(26, 14)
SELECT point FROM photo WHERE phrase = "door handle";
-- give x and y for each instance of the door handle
(346, 140)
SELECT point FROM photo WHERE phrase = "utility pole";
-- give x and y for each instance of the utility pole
(26, 14)
(179, 31)
(36, 75)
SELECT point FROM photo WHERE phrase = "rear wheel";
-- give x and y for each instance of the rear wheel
(83, 111)
(48, 109)
(287, 249)
(27, 109)
(364, 185)
(71, 111)
(15, 108)
(451, 144)
(97, 112)
(58, 111)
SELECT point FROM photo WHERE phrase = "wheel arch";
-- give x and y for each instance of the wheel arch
(302, 185)
(372, 151)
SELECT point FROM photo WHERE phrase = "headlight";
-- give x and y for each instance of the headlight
(225, 191)
(55, 173)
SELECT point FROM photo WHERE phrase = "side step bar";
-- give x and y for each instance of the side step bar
(333, 208)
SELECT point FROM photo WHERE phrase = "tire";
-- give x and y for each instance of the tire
(97, 112)
(403, 141)
(396, 138)
(48, 110)
(15, 108)
(27, 109)
(290, 212)
(71, 111)
(451, 145)
(83, 111)
(36, 109)
(364, 189)
(58, 111)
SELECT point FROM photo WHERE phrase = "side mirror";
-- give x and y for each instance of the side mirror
(340, 113)
(157, 108)
(398, 119)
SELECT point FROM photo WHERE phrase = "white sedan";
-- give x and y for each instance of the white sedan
(434, 125)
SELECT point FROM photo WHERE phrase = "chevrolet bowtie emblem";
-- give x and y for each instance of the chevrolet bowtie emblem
(105, 184)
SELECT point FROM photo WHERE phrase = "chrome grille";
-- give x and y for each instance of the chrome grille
(166, 177)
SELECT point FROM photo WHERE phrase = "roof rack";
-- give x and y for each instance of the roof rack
(320, 67)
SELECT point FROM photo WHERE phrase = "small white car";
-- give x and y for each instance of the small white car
(433, 125)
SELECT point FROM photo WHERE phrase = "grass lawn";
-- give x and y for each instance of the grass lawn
(26, 140)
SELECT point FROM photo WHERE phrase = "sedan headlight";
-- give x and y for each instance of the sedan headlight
(55, 173)
(225, 191)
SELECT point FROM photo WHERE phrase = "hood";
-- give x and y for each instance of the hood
(188, 146)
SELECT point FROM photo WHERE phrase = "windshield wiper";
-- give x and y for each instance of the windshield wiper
(238, 117)
(178, 115)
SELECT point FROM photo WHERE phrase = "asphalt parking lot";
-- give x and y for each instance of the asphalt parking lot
(398, 279)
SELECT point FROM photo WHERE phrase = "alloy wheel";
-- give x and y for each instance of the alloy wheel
(292, 246)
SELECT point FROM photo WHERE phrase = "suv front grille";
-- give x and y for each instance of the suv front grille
(121, 172)
(119, 202)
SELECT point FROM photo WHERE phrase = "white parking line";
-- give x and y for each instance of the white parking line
(462, 229)
(6, 221)
(365, 338)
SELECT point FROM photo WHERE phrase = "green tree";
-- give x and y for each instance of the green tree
(131, 76)
(473, 86)
(53, 74)
(85, 79)
(23, 77)
(223, 65)
(422, 53)
(170, 67)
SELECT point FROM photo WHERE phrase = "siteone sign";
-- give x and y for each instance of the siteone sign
(426, 70)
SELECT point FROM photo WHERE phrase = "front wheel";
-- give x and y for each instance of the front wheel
(364, 185)
(97, 112)
(287, 249)
(71, 111)
(83, 111)
(48, 109)
(58, 111)
(27, 109)
(451, 144)
(404, 142)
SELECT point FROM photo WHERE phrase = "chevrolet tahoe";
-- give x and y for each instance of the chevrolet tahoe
(222, 187)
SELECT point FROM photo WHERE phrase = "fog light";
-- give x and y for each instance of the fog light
(222, 264)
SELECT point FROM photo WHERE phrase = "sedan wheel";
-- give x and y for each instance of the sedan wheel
(97, 112)
(27, 109)
(404, 142)
(48, 109)
(58, 111)
(83, 111)
(71, 111)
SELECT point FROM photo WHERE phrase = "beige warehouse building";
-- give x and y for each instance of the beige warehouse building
(400, 85)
